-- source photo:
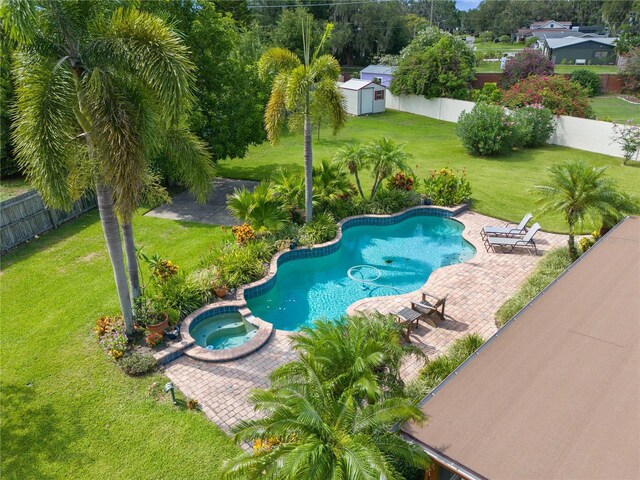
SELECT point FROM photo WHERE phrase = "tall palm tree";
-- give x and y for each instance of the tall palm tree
(99, 88)
(385, 156)
(295, 86)
(354, 158)
(580, 191)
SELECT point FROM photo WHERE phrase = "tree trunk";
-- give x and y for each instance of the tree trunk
(308, 166)
(358, 183)
(111, 229)
(132, 259)
(573, 251)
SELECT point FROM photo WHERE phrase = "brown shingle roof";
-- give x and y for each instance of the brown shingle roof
(556, 393)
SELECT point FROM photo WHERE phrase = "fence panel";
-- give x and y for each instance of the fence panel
(25, 216)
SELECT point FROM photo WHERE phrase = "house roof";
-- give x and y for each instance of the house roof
(379, 70)
(544, 22)
(556, 392)
(555, 43)
(356, 84)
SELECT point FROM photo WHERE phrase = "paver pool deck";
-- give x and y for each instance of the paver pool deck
(475, 289)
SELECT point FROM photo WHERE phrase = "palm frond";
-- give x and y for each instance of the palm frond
(276, 61)
(275, 115)
(19, 20)
(328, 93)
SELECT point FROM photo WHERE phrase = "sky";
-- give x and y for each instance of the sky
(467, 4)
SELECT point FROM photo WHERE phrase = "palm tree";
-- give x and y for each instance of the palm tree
(259, 208)
(354, 158)
(100, 88)
(330, 183)
(295, 86)
(580, 192)
(384, 156)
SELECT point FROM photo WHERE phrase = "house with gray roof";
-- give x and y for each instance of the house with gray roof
(380, 74)
(586, 50)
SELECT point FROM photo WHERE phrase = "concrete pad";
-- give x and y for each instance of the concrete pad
(214, 212)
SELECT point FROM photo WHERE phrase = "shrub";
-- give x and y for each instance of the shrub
(202, 280)
(114, 340)
(489, 93)
(533, 125)
(137, 364)
(388, 201)
(240, 264)
(525, 63)
(551, 265)
(445, 188)
(322, 229)
(402, 181)
(180, 293)
(485, 130)
(556, 93)
(505, 38)
(154, 339)
(434, 373)
(261, 208)
(627, 136)
(243, 233)
(486, 37)
(631, 72)
(530, 41)
(587, 242)
(588, 80)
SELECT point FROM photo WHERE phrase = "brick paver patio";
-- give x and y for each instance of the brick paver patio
(475, 289)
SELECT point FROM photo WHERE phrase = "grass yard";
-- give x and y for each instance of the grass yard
(67, 411)
(614, 109)
(501, 186)
(498, 47)
(12, 187)
(494, 67)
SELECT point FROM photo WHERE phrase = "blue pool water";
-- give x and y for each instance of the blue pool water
(388, 260)
(225, 330)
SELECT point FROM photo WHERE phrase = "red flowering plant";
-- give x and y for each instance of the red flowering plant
(526, 63)
(556, 93)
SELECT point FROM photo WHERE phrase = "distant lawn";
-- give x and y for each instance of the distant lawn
(500, 185)
(498, 47)
(67, 411)
(614, 109)
(12, 187)
(494, 67)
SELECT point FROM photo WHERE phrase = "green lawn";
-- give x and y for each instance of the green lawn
(498, 47)
(614, 109)
(12, 187)
(500, 185)
(494, 67)
(67, 411)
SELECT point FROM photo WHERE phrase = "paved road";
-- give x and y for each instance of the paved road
(214, 212)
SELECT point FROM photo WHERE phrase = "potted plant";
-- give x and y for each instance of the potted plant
(219, 286)
(157, 322)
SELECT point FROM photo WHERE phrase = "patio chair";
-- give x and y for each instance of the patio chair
(430, 306)
(508, 244)
(507, 231)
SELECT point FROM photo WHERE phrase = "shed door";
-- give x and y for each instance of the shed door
(366, 101)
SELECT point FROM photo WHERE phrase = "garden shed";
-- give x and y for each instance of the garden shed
(363, 97)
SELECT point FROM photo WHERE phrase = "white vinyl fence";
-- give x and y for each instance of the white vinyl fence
(580, 133)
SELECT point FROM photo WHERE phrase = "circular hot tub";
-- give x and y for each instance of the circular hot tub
(225, 330)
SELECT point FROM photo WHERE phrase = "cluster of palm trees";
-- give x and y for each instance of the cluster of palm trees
(329, 414)
(101, 90)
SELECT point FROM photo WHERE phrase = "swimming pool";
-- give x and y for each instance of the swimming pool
(371, 261)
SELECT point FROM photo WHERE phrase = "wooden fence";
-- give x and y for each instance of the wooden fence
(25, 216)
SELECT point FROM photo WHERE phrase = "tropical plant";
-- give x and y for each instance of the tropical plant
(322, 229)
(317, 423)
(485, 130)
(295, 86)
(330, 184)
(446, 188)
(386, 202)
(556, 93)
(525, 63)
(354, 158)
(288, 187)
(239, 264)
(259, 208)
(587, 79)
(100, 89)
(384, 157)
(579, 191)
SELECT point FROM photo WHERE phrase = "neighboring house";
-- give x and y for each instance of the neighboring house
(363, 97)
(581, 50)
(381, 74)
(543, 34)
(556, 392)
(544, 25)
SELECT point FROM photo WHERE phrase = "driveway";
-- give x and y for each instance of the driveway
(213, 212)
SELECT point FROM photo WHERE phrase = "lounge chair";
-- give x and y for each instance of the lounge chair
(507, 231)
(508, 244)
(428, 306)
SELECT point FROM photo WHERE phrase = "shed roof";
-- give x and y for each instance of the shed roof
(556, 392)
(555, 43)
(379, 70)
(356, 84)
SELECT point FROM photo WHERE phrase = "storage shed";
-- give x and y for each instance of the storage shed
(363, 97)
(381, 74)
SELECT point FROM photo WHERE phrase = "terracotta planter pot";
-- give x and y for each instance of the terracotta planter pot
(159, 327)
(221, 291)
